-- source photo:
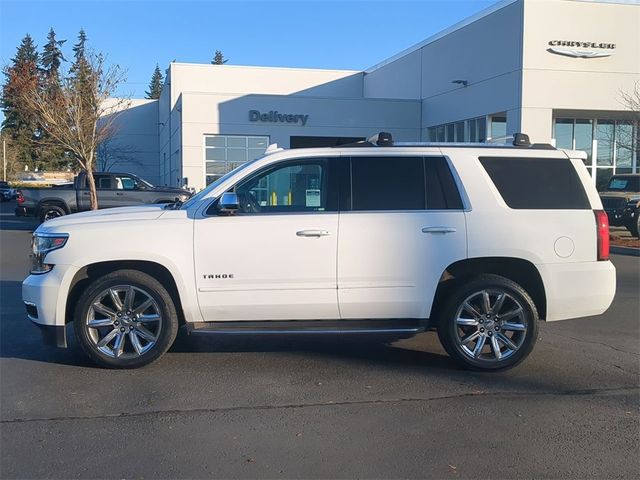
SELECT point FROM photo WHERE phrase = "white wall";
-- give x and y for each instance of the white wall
(238, 80)
(593, 85)
(208, 113)
(401, 78)
(484, 50)
(134, 147)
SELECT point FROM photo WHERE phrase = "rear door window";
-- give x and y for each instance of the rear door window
(387, 183)
(537, 183)
(442, 191)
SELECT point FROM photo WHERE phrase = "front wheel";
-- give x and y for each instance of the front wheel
(488, 323)
(125, 319)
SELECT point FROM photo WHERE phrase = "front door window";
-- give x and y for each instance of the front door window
(294, 187)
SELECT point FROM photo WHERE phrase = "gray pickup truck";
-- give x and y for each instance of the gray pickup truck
(114, 190)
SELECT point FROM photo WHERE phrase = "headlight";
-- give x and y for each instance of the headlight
(41, 244)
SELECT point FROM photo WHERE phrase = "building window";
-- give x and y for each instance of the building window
(471, 130)
(609, 144)
(498, 127)
(223, 153)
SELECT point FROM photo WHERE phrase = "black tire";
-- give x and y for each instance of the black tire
(453, 335)
(141, 282)
(48, 212)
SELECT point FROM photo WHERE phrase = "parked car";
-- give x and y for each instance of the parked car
(114, 190)
(478, 241)
(621, 201)
(6, 192)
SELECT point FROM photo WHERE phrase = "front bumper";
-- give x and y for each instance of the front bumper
(615, 217)
(628, 216)
(45, 299)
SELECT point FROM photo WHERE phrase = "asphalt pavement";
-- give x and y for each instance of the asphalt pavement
(330, 408)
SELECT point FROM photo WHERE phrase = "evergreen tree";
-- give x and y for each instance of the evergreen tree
(81, 70)
(155, 86)
(218, 58)
(51, 156)
(79, 48)
(21, 76)
(52, 57)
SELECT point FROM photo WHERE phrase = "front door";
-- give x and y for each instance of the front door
(275, 259)
(406, 224)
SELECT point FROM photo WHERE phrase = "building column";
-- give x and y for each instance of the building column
(535, 122)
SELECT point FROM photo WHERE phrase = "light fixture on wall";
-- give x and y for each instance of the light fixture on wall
(464, 83)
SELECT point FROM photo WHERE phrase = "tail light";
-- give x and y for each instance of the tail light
(602, 229)
(19, 197)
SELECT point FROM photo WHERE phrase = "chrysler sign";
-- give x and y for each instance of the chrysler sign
(273, 116)
(572, 48)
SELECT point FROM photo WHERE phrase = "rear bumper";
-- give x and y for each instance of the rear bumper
(575, 290)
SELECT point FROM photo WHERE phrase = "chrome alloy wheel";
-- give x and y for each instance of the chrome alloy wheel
(51, 214)
(124, 321)
(491, 325)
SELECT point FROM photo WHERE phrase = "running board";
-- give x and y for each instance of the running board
(309, 327)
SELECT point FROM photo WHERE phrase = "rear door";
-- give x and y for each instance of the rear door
(104, 189)
(402, 226)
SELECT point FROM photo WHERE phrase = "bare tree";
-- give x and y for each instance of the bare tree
(109, 154)
(625, 139)
(80, 114)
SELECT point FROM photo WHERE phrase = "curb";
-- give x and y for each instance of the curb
(634, 252)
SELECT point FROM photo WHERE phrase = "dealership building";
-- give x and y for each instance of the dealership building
(557, 70)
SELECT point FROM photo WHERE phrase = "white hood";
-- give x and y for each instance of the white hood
(137, 213)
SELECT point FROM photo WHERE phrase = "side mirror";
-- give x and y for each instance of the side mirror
(228, 203)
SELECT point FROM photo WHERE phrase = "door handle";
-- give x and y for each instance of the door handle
(313, 233)
(439, 230)
(119, 193)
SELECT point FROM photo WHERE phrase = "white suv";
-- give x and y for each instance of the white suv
(478, 241)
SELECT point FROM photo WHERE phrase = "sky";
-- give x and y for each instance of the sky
(136, 35)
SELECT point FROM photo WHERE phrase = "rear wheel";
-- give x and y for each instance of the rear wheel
(488, 323)
(48, 212)
(125, 319)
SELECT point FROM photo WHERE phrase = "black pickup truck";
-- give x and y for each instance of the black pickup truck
(114, 190)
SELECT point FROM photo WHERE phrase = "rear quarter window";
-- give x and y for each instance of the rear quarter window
(537, 183)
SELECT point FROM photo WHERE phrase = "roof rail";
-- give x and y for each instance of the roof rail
(273, 148)
(518, 140)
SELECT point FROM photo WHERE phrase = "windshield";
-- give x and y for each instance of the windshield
(203, 193)
(141, 180)
(624, 184)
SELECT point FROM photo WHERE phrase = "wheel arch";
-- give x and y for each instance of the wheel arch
(521, 271)
(87, 274)
(53, 202)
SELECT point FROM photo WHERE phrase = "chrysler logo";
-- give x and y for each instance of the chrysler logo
(575, 49)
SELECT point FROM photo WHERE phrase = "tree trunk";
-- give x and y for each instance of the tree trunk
(93, 194)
